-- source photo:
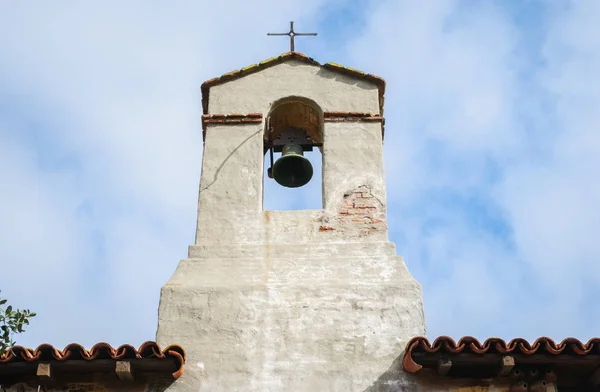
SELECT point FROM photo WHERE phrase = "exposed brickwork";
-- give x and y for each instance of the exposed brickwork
(363, 210)
(326, 228)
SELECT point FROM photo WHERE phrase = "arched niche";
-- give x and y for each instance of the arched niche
(294, 119)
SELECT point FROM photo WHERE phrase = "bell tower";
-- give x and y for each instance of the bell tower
(308, 300)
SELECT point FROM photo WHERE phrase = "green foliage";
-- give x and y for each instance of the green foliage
(12, 321)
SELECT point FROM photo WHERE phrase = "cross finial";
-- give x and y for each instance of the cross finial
(292, 34)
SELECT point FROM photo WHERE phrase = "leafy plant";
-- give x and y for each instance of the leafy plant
(12, 321)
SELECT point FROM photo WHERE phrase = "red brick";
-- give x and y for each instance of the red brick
(365, 207)
(326, 228)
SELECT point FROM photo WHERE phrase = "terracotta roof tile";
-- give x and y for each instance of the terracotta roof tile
(285, 57)
(569, 355)
(173, 357)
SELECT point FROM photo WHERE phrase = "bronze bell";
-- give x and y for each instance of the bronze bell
(292, 170)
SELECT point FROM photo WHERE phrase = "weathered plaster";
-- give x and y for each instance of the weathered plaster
(332, 91)
(291, 300)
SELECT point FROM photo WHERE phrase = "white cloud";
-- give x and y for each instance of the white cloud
(491, 155)
(554, 201)
(116, 88)
(469, 125)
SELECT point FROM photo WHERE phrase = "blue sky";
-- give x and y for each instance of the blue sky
(492, 151)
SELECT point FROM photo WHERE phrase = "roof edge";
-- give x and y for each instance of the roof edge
(470, 345)
(46, 352)
(239, 73)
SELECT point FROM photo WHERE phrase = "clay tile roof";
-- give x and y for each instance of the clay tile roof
(471, 355)
(148, 358)
(286, 57)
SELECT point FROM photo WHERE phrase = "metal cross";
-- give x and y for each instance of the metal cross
(292, 34)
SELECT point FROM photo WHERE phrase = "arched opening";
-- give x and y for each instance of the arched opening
(293, 123)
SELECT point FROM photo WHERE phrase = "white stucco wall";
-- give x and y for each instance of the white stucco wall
(256, 92)
(291, 300)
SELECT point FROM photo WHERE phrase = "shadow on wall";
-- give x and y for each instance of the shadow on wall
(394, 379)
(161, 384)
